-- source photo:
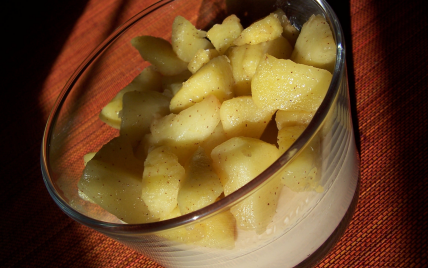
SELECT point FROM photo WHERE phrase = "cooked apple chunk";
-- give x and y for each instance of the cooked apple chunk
(215, 232)
(189, 127)
(201, 57)
(173, 83)
(216, 138)
(301, 174)
(292, 118)
(112, 179)
(245, 59)
(266, 29)
(201, 185)
(315, 45)
(289, 31)
(214, 78)
(160, 54)
(219, 231)
(148, 79)
(238, 161)
(223, 35)
(186, 235)
(162, 178)
(87, 157)
(139, 110)
(241, 117)
(186, 39)
(284, 85)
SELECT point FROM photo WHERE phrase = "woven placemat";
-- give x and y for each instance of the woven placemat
(388, 81)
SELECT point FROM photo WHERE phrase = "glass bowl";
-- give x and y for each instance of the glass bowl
(306, 224)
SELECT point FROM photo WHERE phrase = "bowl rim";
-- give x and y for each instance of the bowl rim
(222, 204)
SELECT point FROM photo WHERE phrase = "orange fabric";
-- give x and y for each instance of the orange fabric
(388, 76)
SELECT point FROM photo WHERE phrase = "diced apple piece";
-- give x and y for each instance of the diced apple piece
(214, 78)
(219, 231)
(162, 178)
(223, 35)
(201, 57)
(315, 45)
(186, 235)
(241, 159)
(191, 126)
(280, 48)
(292, 118)
(241, 117)
(301, 174)
(238, 161)
(139, 109)
(287, 136)
(148, 143)
(289, 31)
(216, 138)
(160, 54)
(175, 82)
(284, 85)
(215, 232)
(242, 85)
(148, 79)
(266, 29)
(112, 179)
(256, 211)
(87, 157)
(245, 59)
(201, 185)
(186, 39)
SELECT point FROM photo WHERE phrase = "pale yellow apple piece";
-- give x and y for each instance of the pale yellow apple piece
(245, 59)
(201, 185)
(160, 54)
(241, 159)
(223, 35)
(241, 117)
(266, 29)
(288, 135)
(256, 211)
(242, 85)
(302, 173)
(112, 179)
(187, 235)
(186, 39)
(280, 48)
(87, 157)
(162, 178)
(148, 143)
(201, 57)
(139, 110)
(175, 82)
(289, 31)
(216, 138)
(148, 79)
(214, 78)
(219, 231)
(238, 161)
(315, 45)
(215, 232)
(292, 118)
(190, 127)
(284, 85)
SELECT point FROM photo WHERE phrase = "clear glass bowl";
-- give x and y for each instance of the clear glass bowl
(306, 224)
